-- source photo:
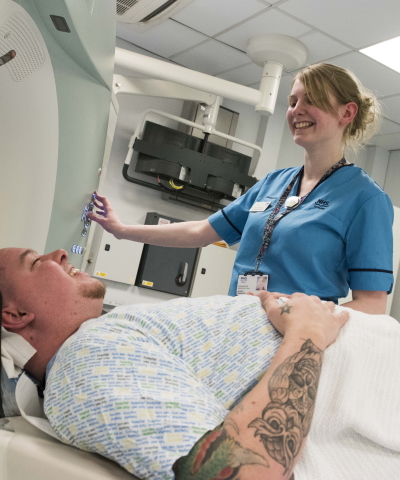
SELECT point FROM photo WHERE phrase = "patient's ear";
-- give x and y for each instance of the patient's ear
(14, 319)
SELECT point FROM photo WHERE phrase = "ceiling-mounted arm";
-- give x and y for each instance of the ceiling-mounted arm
(184, 76)
(273, 52)
(160, 88)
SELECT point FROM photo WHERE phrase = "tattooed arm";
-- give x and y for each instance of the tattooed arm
(262, 438)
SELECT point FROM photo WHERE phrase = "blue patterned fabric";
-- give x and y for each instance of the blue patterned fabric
(142, 384)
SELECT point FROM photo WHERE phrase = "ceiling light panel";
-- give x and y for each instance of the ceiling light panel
(166, 39)
(356, 22)
(386, 53)
(271, 21)
(211, 17)
(222, 58)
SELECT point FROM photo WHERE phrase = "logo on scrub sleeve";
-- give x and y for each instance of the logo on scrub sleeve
(321, 204)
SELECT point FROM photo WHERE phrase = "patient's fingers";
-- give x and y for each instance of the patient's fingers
(331, 306)
(343, 317)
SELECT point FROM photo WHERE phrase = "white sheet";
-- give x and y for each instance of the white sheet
(355, 432)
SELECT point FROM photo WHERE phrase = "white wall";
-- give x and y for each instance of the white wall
(392, 189)
(392, 178)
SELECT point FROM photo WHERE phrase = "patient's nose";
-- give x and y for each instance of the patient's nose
(60, 256)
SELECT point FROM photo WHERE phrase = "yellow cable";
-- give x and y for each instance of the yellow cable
(171, 182)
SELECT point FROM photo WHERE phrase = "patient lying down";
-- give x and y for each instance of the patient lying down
(206, 388)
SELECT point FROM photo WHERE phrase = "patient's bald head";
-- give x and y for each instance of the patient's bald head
(44, 297)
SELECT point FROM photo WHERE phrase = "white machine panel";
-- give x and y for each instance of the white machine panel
(214, 271)
(116, 260)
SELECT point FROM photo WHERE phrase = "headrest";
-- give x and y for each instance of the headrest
(15, 353)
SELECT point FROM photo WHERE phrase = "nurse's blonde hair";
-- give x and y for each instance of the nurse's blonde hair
(321, 79)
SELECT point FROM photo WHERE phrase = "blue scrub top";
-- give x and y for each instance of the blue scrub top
(340, 237)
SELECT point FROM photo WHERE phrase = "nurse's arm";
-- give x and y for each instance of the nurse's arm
(181, 234)
(368, 302)
(263, 436)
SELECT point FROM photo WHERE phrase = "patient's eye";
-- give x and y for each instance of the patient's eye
(33, 263)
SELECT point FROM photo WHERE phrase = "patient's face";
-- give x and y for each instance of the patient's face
(46, 281)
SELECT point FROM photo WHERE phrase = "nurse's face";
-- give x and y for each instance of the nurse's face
(311, 126)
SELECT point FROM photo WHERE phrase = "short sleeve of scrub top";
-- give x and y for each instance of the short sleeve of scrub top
(339, 238)
(368, 242)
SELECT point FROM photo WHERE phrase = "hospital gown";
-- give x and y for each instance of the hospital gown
(141, 384)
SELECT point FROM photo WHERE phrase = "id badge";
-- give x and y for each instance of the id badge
(251, 284)
(260, 207)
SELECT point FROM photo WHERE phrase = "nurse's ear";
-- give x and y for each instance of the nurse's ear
(347, 113)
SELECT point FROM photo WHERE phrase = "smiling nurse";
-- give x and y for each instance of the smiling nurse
(319, 229)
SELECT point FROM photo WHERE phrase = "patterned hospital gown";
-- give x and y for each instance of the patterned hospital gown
(141, 384)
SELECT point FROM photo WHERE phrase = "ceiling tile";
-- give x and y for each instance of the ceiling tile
(357, 22)
(389, 127)
(245, 75)
(271, 21)
(214, 16)
(165, 39)
(321, 47)
(390, 142)
(212, 57)
(391, 107)
(381, 80)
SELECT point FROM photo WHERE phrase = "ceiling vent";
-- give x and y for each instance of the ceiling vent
(144, 14)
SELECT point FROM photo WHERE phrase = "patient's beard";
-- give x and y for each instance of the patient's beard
(95, 291)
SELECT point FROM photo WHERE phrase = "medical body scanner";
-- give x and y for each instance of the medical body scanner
(58, 104)
(59, 110)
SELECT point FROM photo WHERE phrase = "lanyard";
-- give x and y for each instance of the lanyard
(274, 218)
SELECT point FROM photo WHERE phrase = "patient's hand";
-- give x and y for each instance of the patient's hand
(305, 317)
(106, 217)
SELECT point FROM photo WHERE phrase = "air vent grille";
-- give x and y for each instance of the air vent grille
(124, 5)
(158, 11)
(16, 34)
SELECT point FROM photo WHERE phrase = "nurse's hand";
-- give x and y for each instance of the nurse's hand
(106, 217)
(305, 317)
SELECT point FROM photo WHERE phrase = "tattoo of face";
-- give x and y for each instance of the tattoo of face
(286, 420)
(285, 308)
(215, 456)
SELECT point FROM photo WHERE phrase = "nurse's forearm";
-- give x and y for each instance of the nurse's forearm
(367, 301)
(183, 234)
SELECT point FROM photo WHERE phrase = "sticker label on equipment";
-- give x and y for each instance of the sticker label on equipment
(163, 221)
(101, 274)
(148, 284)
